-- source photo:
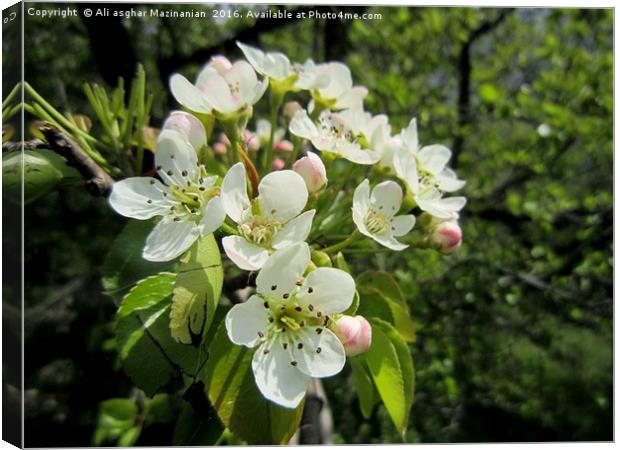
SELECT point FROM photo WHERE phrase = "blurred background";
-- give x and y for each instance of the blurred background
(514, 331)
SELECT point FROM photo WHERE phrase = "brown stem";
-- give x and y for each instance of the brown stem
(98, 182)
(32, 144)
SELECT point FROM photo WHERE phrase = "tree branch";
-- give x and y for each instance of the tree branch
(32, 144)
(464, 70)
(98, 182)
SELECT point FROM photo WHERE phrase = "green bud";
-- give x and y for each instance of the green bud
(321, 259)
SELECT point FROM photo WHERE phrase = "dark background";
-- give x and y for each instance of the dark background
(514, 332)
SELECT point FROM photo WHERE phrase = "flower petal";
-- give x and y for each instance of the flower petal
(242, 76)
(255, 56)
(170, 239)
(328, 290)
(353, 98)
(189, 95)
(301, 125)
(434, 158)
(448, 182)
(296, 230)
(282, 270)
(245, 320)
(361, 204)
(443, 208)
(175, 158)
(410, 136)
(217, 92)
(340, 80)
(321, 354)
(213, 216)
(235, 192)
(188, 125)
(406, 169)
(244, 254)
(139, 198)
(276, 378)
(387, 240)
(402, 225)
(282, 195)
(354, 153)
(387, 197)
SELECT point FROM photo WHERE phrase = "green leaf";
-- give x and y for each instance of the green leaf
(197, 290)
(380, 296)
(366, 391)
(124, 265)
(197, 428)
(147, 293)
(150, 356)
(116, 418)
(160, 409)
(391, 369)
(43, 171)
(231, 388)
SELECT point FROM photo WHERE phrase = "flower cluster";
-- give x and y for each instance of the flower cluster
(262, 191)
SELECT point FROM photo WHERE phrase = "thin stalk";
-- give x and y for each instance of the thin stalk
(12, 94)
(229, 229)
(59, 118)
(343, 244)
(275, 100)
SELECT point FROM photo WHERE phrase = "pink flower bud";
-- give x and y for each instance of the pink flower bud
(447, 237)
(220, 63)
(290, 109)
(283, 146)
(251, 141)
(189, 126)
(355, 334)
(278, 164)
(219, 148)
(312, 170)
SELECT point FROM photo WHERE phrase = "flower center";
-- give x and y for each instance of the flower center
(259, 230)
(376, 222)
(336, 128)
(190, 199)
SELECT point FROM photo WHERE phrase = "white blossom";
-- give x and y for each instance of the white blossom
(220, 89)
(288, 320)
(375, 213)
(271, 221)
(424, 171)
(343, 134)
(187, 201)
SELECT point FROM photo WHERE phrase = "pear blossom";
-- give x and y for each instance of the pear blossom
(312, 170)
(330, 85)
(220, 89)
(271, 221)
(344, 135)
(355, 333)
(273, 65)
(288, 320)
(425, 173)
(374, 213)
(187, 201)
(189, 126)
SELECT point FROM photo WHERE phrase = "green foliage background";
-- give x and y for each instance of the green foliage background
(513, 332)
